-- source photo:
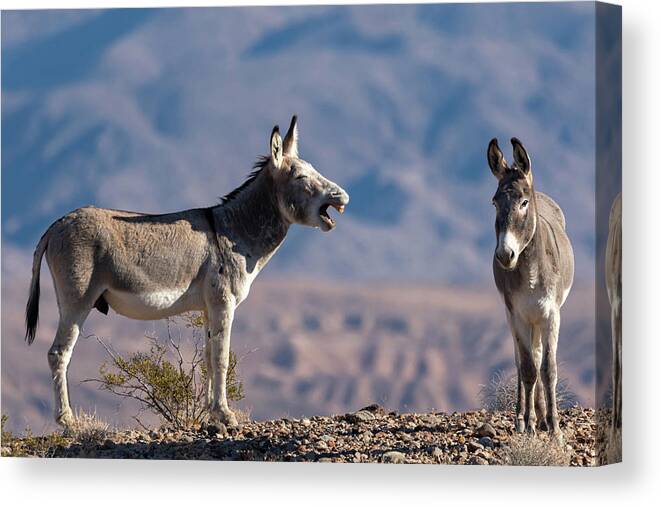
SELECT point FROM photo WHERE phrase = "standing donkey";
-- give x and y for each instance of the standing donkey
(533, 266)
(614, 289)
(149, 267)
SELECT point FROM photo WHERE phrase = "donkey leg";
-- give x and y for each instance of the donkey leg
(540, 390)
(220, 326)
(528, 373)
(540, 406)
(550, 371)
(616, 325)
(520, 393)
(519, 423)
(208, 364)
(59, 356)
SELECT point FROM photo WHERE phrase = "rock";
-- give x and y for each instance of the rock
(218, 430)
(437, 452)
(359, 416)
(485, 430)
(478, 461)
(474, 446)
(306, 422)
(375, 409)
(108, 444)
(429, 419)
(394, 457)
(487, 442)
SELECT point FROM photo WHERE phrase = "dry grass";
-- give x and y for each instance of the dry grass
(499, 394)
(525, 450)
(242, 415)
(88, 429)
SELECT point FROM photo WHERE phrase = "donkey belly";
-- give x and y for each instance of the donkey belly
(155, 304)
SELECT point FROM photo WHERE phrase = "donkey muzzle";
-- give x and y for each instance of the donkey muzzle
(506, 257)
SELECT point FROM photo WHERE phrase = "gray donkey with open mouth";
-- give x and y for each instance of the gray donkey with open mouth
(149, 267)
(533, 266)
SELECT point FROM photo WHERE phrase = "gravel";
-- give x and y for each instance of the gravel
(368, 435)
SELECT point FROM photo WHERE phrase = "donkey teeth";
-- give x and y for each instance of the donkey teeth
(340, 209)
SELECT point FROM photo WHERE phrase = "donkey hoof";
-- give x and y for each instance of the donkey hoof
(558, 438)
(519, 426)
(216, 429)
(226, 418)
(65, 419)
(231, 421)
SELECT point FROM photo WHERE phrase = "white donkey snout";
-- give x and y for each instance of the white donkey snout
(507, 250)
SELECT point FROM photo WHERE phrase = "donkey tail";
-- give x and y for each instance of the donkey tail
(32, 308)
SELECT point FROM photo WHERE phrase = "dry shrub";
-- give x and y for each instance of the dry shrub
(526, 450)
(170, 378)
(499, 394)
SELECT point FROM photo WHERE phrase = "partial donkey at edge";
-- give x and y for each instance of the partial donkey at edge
(149, 267)
(533, 267)
(613, 276)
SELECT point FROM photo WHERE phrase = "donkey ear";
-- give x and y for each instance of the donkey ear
(276, 147)
(290, 146)
(521, 158)
(496, 160)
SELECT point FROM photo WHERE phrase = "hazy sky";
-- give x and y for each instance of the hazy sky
(158, 110)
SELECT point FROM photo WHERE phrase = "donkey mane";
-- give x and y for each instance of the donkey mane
(261, 162)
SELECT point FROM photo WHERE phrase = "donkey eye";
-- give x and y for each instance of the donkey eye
(524, 204)
(302, 176)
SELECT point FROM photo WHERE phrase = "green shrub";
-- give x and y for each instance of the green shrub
(29, 445)
(6, 436)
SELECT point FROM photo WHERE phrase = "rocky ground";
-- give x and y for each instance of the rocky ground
(368, 435)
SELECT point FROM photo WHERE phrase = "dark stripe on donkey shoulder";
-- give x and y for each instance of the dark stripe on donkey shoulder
(101, 305)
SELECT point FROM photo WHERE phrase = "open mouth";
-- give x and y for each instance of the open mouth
(325, 217)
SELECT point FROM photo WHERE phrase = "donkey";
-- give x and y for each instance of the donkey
(149, 267)
(614, 289)
(533, 266)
